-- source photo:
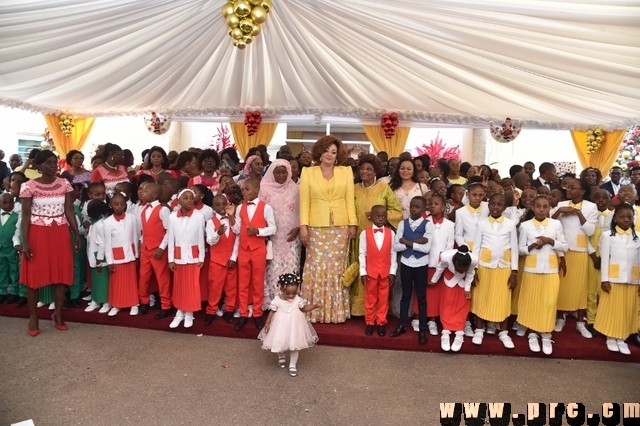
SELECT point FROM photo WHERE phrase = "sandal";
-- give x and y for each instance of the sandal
(282, 362)
(293, 372)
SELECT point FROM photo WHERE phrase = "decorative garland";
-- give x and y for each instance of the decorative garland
(595, 138)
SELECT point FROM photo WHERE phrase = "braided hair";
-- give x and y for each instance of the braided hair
(462, 258)
(621, 207)
(285, 280)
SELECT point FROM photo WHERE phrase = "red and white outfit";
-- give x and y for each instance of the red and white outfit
(48, 227)
(252, 254)
(207, 212)
(110, 177)
(443, 239)
(454, 306)
(121, 251)
(223, 249)
(213, 183)
(154, 218)
(377, 260)
(186, 250)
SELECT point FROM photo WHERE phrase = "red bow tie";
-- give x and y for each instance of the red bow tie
(118, 217)
(251, 203)
(224, 217)
(378, 230)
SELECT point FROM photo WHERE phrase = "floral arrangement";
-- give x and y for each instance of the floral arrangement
(595, 137)
(47, 140)
(437, 150)
(157, 124)
(629, 155)
(222, 140)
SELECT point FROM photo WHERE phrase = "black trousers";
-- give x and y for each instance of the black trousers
(413, 279)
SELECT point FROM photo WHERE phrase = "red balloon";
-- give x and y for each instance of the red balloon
(256, 112)
(252, 120)
(247, 114)
(394, 116)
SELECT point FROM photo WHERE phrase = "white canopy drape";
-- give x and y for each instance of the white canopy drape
(552, 64)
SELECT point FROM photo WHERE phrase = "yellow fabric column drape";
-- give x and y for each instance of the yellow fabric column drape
(604, 157)
(393, 146)
(76, 140)
(244, 142)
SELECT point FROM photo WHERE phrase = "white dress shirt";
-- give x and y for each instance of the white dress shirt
(164, 217)
(251, 207)
(412, 261)
(379, 239)
(213, 237)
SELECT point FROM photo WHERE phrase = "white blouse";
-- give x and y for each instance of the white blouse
(545, 259)
(186, 238)
(456, 278)
(120, 239)
(443, 239)
(577, 235)
(496, 243)
(95, 243)
(466, 222)
(620, 258)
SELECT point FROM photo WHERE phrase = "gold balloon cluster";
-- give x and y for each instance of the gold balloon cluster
(66, 124)
(595, 137)
(244, 18)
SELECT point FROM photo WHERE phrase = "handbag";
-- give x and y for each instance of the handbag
(269, 250)
(352, 270)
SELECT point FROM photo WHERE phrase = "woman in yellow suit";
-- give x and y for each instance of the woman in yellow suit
(327, 224)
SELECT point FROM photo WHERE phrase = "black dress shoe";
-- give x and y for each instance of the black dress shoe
(259, 323)
(382, 330)
(164, 313)
(634, 339)
(143, 309)
(157, 305)
(76, 303)
(208, 319)
(21, 302)
(12, 299)
(228, 317)
(422, 337)
(398, 331)
(3, 298)
(241, 323)
(592, 330)
(368, 330)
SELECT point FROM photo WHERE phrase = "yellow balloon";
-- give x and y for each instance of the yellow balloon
(599, 138)
(256, 30)
(233, 21)
(247, 39)
(598, 132)
(246, 25)
(242, 8)
(258, 14)
(236, 33)
(63, 117)
(266, 4)
(255, 2)
(227, 9)
(240, 44)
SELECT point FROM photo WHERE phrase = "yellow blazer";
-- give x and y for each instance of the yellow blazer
(327, 202)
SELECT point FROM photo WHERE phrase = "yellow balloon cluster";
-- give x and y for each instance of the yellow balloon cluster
(595, 137)
(244, 18)
(66, 124)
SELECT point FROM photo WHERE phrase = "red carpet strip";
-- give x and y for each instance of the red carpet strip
(568, 344)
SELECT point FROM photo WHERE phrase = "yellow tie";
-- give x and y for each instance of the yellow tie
(543, 223)
(493, 219)
(576, 206)
(604, 213)
(622, 231)
(473, 210)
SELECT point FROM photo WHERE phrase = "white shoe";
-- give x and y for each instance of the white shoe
(113, 312)
(612, 345)
(457, 342)
(133, 310)
(506, 340)
(491, 328)
(534, 345)
(433, 328)
(92, 306)
(522, 330)
(415, 324)
(219, 313)
(39, 305)
(445, 341)
(177, 319)
(52, 306)
(478, 336)
(582, 329)
(105, 308)
(547, 346)
(559, 325)
(188, 320)
(236, 314)
(250, 311)
(468, 331)
(623, 347)
(87, 298)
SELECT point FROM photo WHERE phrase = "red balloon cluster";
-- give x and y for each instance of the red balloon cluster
(252, 120)
(389, 122)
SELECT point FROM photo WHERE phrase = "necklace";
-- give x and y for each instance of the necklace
(154, 173)
(374, 182)
(106, 163)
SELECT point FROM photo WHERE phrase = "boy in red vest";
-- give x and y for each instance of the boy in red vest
(254, 222)
(378, 266)
(154, 218)
(223, 274)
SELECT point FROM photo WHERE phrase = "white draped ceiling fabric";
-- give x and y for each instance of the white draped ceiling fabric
(560, 64)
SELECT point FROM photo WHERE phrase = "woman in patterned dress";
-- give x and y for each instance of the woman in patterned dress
(111, 171)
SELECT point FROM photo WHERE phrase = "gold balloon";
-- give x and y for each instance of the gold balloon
(266, 4)
(242, 8)
(255, 2)
(236, 33)
(227, 9)
(233, 21)
(246, 25)
(256, 30)
(247, 39)
(240, 44)
(258, 14)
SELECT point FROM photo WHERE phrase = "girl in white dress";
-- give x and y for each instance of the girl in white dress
(287, 328)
